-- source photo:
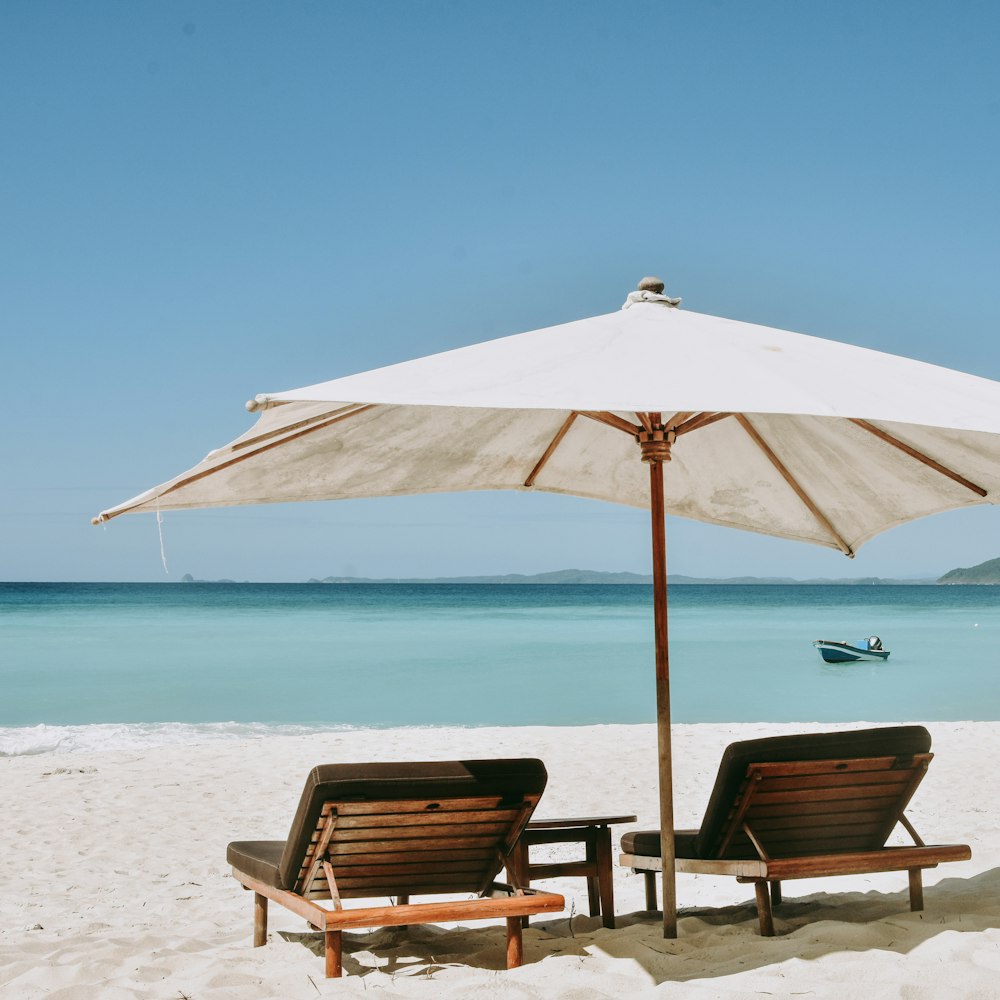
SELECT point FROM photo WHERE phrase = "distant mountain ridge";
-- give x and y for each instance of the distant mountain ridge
(591, 576)
(559, 576)
(985, 573)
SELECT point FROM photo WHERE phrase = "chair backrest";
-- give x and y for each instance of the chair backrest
(409, 828)
(813, 793)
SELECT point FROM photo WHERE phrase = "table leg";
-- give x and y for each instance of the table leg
(605, 875)
(593, 886)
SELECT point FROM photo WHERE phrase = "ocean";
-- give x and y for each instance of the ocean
(92, 665)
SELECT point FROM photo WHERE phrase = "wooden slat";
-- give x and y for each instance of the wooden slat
(414, 805)
(471, 857)
(863, 862)
(790, 767)
(433, 843)
(443, 833)
(781, 838)
(748, 868)
(815, 808)
(893, 779)
(411, 880)
(403, 868)
(483, 908)
(866, 793)
(391, 821)
(865, 818)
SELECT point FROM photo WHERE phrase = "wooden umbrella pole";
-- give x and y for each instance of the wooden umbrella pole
(663, 698)
(656, 452)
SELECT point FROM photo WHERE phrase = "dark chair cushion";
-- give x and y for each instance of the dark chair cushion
(509, 780)
(257, 858)
(646, 843)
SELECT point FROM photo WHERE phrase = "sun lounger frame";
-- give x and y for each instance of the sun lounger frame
(816, 805)
(401, 847)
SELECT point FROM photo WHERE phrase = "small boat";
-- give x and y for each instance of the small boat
(849, 652)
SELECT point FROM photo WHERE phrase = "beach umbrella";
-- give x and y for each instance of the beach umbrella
(655, 406)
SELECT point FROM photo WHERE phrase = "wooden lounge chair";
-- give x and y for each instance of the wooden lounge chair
(805, 806)
(396, 830)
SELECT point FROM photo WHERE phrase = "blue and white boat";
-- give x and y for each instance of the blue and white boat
(850, 652)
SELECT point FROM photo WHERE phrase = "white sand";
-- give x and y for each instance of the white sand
(114, 884)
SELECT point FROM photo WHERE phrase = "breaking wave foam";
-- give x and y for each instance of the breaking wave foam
(19, 741)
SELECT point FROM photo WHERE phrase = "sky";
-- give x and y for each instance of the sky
(200, 201)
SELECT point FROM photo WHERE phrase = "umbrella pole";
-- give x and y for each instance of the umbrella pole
(659, 535)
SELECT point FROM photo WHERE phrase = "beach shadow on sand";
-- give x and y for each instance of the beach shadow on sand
(723, 941)
(711, 943)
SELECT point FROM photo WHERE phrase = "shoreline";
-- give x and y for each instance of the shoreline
(41, 738)
(117, 884)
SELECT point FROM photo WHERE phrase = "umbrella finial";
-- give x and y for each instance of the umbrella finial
(650, 290)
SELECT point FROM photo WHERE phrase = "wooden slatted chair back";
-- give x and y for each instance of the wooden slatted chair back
(406, 847)
(798, 808)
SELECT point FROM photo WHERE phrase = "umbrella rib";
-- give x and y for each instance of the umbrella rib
(643, 418)
(680, 417)
(603, 417)
(301, 432)
(553, 444)
(346, 410)
(918, 455)
(698, 421)
(793, 482)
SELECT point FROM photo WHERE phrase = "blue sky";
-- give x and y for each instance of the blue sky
(201, 201)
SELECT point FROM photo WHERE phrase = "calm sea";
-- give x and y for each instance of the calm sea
(117, 664)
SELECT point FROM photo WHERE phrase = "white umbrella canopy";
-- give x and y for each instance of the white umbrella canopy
(754, 428)
(826, 443)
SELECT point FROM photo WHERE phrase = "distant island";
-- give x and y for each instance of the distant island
(985, 573)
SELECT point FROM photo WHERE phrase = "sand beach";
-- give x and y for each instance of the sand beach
(115, 882)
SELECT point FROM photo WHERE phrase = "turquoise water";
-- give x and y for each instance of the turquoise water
(81, 654)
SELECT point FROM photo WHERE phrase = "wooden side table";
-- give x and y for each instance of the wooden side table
(594, 832)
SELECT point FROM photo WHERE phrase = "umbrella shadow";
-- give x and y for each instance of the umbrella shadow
(722, 941)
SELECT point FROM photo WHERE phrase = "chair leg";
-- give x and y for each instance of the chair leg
(403, 900)
(259, 919)
(518, 874)
(764, 908)
(775, 893)
(916, 889)
(650, 878)
(334, 954)
(515, 944)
